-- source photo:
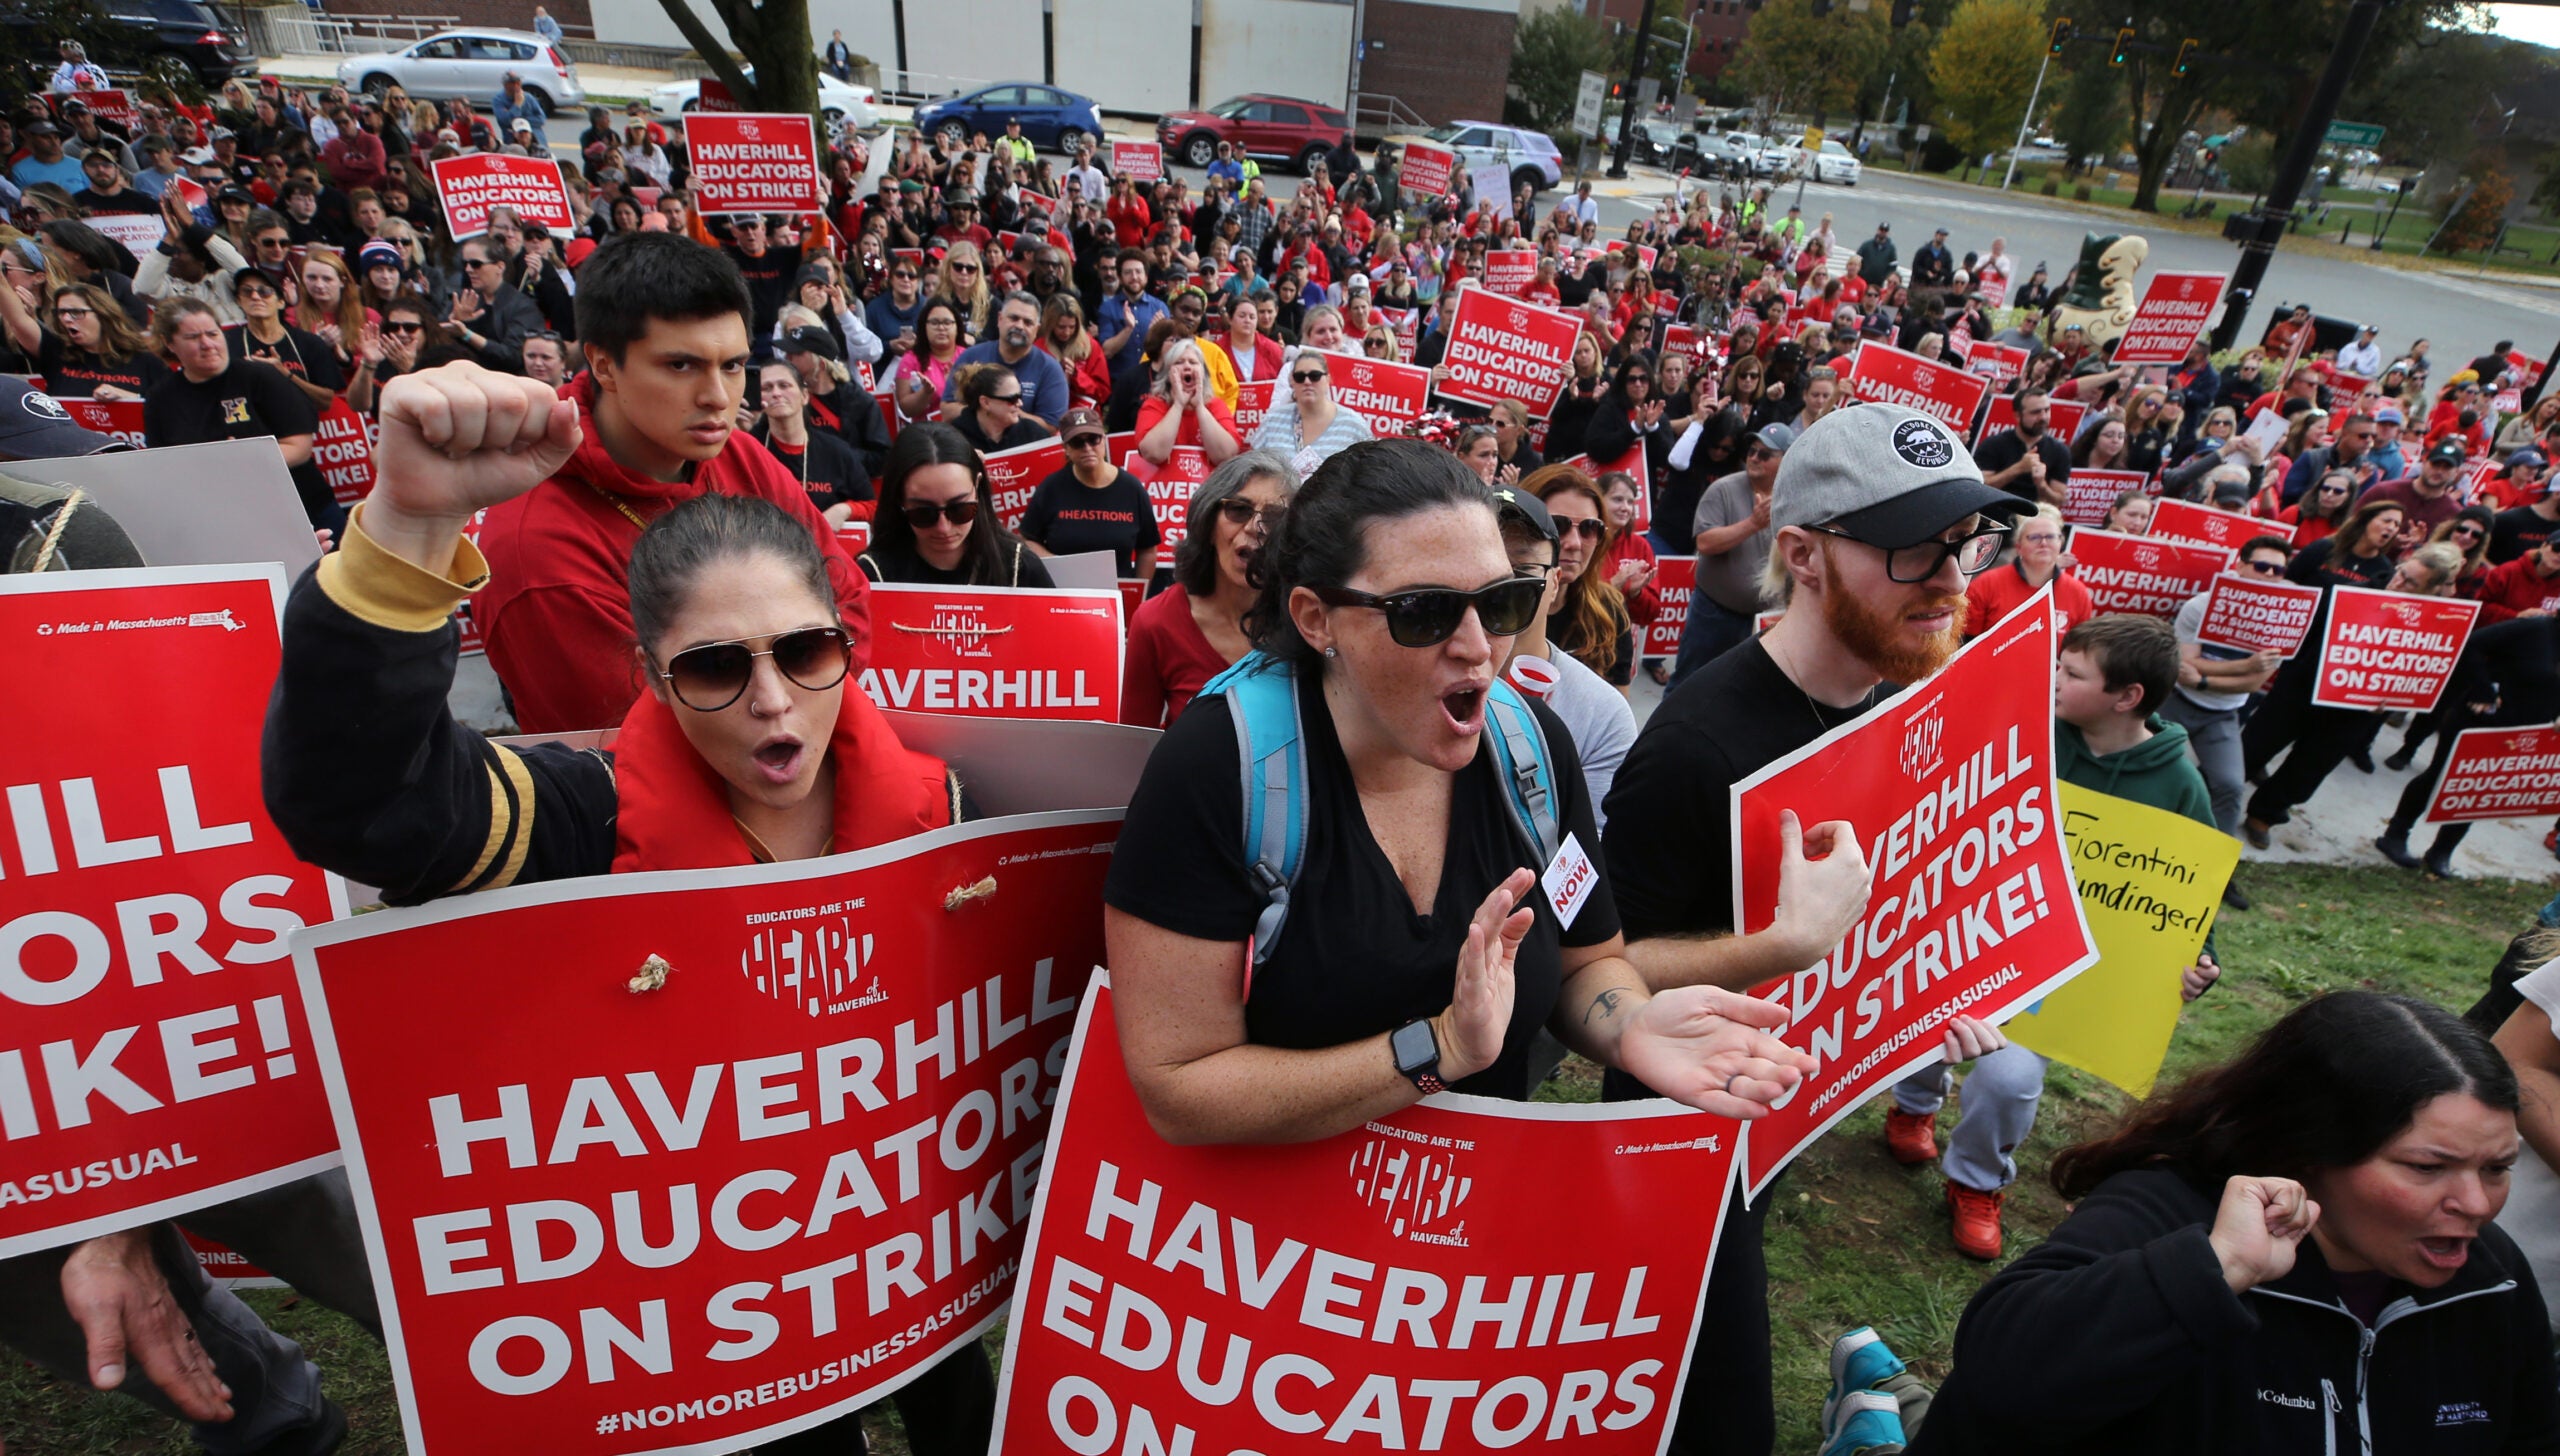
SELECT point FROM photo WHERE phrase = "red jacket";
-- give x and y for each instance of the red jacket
(557, 611)
(2514, 588)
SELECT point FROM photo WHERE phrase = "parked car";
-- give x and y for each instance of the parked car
(1654, 141)
(1833, 163)
(1272, 128)
(1530, 157)
(839, 101)
(470, 64)
(1050, 117)
(169, 34)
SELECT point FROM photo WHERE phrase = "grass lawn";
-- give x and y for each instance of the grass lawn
(1855, 1239)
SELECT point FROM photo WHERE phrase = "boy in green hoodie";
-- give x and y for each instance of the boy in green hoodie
(2115, 671)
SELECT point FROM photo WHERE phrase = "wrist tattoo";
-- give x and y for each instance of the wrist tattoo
(1603, 1006)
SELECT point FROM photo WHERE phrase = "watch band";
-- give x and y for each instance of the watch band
(1430, 1083)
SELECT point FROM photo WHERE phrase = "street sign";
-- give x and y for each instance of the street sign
(2353, 134)
(1586, 106)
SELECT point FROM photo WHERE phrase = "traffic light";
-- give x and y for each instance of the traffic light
(2124, 46)
(2186, 51)
(2061, 35)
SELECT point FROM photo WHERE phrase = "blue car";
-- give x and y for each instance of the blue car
(1051, 118)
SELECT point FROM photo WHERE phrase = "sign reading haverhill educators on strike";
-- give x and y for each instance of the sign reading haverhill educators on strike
(2253, 614)
(2138, 574)
(1500, 348)
(470, 186)
(606, 1218)
(996, 652)
(1426, 169)
(749, 163)
(1377, 389)
(1676, 579)
(2499, 773)
(1883, 374)
(2173, 312)
(1951, 786)
(1413, 1284)
(2389, 650)
(153, 1053)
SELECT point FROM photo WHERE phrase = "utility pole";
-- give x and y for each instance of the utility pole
(2061, 37)
(1635, 84)
(2260, 230)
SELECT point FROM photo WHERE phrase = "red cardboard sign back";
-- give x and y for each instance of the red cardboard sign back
(1500, 348)
(2063, 423)
(996, 652)
(1887, 375)
(469, 186)
(2252, 614)
(1411, 1285)
(153, 1052)
(605, 1220)
(752, 163)
(2179, 520)
(2389, 650)
(1973, 912)
(2141, 574)
(2172, 313)
(2499, 773)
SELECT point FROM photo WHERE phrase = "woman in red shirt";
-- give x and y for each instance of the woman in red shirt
(1189, 633)
(1629, 562)
(2003, 589)
(1182, 410)
(2322, 509)
(1064, 336)
(1131, 221)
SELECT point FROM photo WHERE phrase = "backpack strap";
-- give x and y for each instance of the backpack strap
(1520, 759)
(1262, 698)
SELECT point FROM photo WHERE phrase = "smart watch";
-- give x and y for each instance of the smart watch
(1416, 1049)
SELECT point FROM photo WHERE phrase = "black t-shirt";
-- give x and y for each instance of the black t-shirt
(768, 284)
(1354, 960)
(2322, 564)
(2516, 532)
(828, 469)
(1067, 516)
(2007, 447)
(305, 356)
(244, 402)
(127, 202)
(76, 374)
(1028, 430)
(904, 567)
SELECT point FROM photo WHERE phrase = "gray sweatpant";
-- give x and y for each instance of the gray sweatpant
(2214, 734)
(303, 1232)
(1999, 1107)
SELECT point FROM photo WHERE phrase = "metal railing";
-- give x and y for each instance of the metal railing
(1379, 113)
(282, 30)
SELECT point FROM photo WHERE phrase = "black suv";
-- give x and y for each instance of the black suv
(188, 33)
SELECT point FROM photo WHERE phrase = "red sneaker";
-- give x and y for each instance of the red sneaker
(1977, 1221)
(1911, 1137)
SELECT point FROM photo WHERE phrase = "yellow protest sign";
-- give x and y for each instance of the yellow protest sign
(2149, 882)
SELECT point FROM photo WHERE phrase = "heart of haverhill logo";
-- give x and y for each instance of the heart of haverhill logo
(1414, 1186)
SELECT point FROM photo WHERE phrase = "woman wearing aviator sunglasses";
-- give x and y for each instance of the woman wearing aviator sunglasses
(1416, 954)
(935, 525)
(747, 747)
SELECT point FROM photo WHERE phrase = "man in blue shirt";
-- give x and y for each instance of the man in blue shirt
(45, 160)
(1225, 168)
(1128, 313)
(512, 104)
(1044, 384)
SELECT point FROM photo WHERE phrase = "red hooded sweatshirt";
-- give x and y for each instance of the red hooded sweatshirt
(557, 611)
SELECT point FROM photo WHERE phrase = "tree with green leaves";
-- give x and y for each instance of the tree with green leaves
(1793, 60)
(775, 39)
(1984, 66)
(1549, 53)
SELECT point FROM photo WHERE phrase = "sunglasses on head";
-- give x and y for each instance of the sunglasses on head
(921, 515)
(714, 675)
(1428, 616)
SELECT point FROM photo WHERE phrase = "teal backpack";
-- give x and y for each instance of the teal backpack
(1262, 697)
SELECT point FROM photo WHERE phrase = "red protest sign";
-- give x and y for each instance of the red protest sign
(343, 449)
(1644, 254)
(1632, 463)
(1883, 374)
(1510, 270)
(1137, 161)
(1253, 401)
(121, 418)
(1500, 348)
(1676, 578)
(2140, 574)
(153, 1053)
(1999, 363)
(1013, 474)
(110, 106)
(996, 652)
(1169, 486)
(744, 163)
(1379, 390)
(2388, 649)
(769, 1191)
(2063, 423)
(714, 96)
(1973, 910)
(2181, 520)
(1993, 285)
(1371, 1288)
(2089, 492)
(1427, 169)
(2532, 367)
(2499, 773)
(469, 186)
(2251, 614)
(2173, 312)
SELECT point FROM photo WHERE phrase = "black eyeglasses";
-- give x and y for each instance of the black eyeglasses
(714, 675)
(1244, 512)
(922, 515)
(1429, 616)
(1309, 376)
(1917, 563)
(2264, 568)
(1013, 398)
(1589, 528)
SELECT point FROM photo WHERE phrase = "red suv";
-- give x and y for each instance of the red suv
(1270, 128)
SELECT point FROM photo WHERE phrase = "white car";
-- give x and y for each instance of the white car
(1530, 156)
(841, 101)
(471, 64)
(1833, 163)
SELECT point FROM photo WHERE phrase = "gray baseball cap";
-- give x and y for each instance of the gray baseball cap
(1882, 474)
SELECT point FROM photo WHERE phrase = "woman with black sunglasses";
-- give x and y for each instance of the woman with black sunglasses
(935, 525)
(1416, 953)
(747, 748)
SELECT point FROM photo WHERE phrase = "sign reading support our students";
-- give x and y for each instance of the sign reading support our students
(2250, 614)
(2499, 773)
(2389, 650)
(2091, 492)
(1951, 785)
(996, 652)
(751, 163)
(1413, 1284)
(153, 1052)
(755, 1146)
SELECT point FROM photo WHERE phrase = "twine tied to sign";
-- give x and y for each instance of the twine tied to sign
(982, 890)
(61, 519)
(651, 976)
